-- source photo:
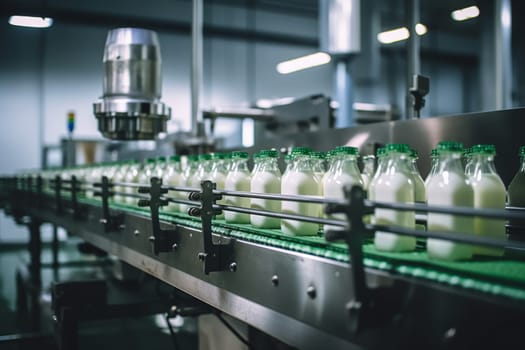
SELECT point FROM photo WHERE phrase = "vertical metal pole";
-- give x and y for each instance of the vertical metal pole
(54, 246)
(413, 48)
(197, 125)
(502, 54)
(344, 93)
(35, 249)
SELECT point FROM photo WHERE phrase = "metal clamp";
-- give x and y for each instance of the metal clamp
(361, 303)
(216, 257)
(74, 197)
(58, 194)
(110, 222)
(163, 240)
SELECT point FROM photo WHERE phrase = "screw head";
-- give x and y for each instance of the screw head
(136, 232)
(122, 226)
(174, 246)
(275, 280)
(151, 238)
(233, 267)
(202, 256)
(103, 221)
(312, 293)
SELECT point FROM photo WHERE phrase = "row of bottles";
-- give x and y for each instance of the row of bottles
(451, 182)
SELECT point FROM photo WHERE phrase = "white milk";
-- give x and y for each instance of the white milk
(489, 192)
(449, 189)
(219, 178)
(173, 177)
(237, 181)
(265, 182)
(394, 187)
(132, 177)
(300, 183)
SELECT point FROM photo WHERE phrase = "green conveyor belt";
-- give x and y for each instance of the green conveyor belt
(498, 276)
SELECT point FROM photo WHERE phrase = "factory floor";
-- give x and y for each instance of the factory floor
(144, 332)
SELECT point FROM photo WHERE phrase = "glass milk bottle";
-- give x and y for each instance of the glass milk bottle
(172, 177)
(189, 171)
(381, 166)
(468, 160)
(489, 193)
(318, 164)
(434, 161)
(395, 185)
(516, 198)
(146, 173)
(266, 178)
(120, 176)
(369, 163)
(132, 177)
(300, 179)
(343, 172)
(217, 175)
(238, 179)
(420, 194)
(449, 187)
(203, 170)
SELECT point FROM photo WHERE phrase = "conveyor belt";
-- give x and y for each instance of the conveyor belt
(498, 276)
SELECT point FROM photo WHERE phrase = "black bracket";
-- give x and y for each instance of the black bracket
(361, 303)
(75, 188)
(216, 257)
(163, 240)
(39, 191)
(58, 194)
(111, 222)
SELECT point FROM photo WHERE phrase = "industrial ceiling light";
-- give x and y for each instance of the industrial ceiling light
(465, 13)
(304, 62)
(399, 34)
(31, 21)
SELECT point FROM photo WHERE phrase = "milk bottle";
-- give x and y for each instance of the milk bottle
(203, 170)
(299, 179)
(468, 160)
(217, 175)
(185, 181)
(120, 176)
(419, 184)
(238, 179)
(449, 187)
(368, 170)
(318, 164)
(172, 177)
(381, 166)
(132, 177)
(489, 193)
(395, 185)
(434, 160)
(266, 178)
(516, 198)
(343, 172)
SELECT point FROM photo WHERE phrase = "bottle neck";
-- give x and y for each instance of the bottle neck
(302, 164)
(240, 165)
(368, 167)
(398, 163)
(450, 162)
(346, 164)
(269, 165)
(483, 164)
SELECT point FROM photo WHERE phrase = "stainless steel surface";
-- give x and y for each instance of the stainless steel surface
(197, 125)
(503, 128)
(130, 108)
(340, 26)
(372, 113)
(503, 53)
(344, 92)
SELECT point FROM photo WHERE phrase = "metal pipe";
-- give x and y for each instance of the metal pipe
(502, 54)
(413, 48)
(197, 126)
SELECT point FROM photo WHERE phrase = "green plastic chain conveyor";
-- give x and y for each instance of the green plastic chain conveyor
(498, 276)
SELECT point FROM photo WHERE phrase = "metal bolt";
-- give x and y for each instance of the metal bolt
(202, 256)
(103, 221)
(151, 238)
(122, 226)
(353, 306)
(136, 232)
(311, 292)
(174, 246)
(275, 280)
(233, 267)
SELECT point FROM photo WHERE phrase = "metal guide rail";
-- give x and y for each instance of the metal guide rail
(305, 300)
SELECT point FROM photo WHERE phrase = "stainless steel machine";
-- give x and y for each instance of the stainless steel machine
(312, 293)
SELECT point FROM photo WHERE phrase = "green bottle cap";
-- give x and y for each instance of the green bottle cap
(413, 153)
(522, 151)
(380, 152)
(239, 155)
(397, 147)
(193, 158)
(219, 155)
(150, 160)
(175, 158)
(483, 149)
(204, 156)
(450, 146)
(347, 150)
(301, 150)
(161, 159)
(269, 153)
(434, 153)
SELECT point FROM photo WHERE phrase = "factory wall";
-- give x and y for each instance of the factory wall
(46, 73)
